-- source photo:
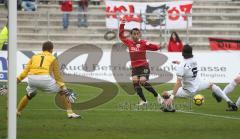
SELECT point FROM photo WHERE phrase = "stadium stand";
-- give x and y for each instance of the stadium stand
(211, 18)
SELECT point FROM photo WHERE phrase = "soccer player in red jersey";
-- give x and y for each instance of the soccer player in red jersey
(140, 67)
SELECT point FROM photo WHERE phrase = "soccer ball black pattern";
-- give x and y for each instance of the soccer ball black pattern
(198, 99)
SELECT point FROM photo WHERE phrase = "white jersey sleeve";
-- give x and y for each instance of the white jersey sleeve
(180, 71)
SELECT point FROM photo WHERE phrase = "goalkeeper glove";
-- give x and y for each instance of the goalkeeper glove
(70, 95)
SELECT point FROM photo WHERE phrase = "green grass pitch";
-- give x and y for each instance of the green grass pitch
(120, 118)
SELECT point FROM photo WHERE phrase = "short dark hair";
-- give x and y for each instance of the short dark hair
(47, 46)
(135, 29)
(187, 51)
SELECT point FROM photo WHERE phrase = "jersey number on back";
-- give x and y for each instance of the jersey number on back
(194, 71)
(42, 59)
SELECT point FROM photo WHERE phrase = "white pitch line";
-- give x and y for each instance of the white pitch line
(186, 112)
(210, 115)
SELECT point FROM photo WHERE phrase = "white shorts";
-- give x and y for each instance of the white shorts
(41, 82)
(186, 93)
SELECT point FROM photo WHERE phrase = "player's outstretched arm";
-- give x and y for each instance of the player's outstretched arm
(24, 72)
(177, 86)
(57, 74)
(121, 32)
(152, 46)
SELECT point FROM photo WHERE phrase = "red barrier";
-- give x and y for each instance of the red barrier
(224, 44)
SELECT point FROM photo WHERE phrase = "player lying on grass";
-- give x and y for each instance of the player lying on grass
(231, 86)
(39, 70)
(188, 83)
(140, 66)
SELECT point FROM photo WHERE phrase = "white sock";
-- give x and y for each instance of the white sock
(219, 92)
(238, 102)
(230, 87)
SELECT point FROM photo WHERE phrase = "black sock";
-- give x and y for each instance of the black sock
(150, 89)
(138, 89)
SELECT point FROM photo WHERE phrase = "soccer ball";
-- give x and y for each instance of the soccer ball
(198, 99)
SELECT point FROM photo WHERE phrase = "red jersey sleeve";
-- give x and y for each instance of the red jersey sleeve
(152, 47)
(121, 35)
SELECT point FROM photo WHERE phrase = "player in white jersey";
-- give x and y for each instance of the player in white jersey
(230, 87)
(188, 83)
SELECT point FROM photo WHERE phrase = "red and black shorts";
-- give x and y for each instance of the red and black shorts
(142, 71)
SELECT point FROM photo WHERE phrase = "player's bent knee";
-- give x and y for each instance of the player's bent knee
(135, 81)
(61, 92)
(165, 95)
(31, 95)
(211, 85)
(142, 82)
(237, 80)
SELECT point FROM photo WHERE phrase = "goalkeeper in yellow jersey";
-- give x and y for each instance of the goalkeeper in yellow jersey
(39, 71)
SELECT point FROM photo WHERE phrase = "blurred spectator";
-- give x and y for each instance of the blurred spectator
(19, 4)
(82, 13)
(4, 38)
(29, 5)
(175, 44)
(1, 1)
(95, 2)
(66, 7)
